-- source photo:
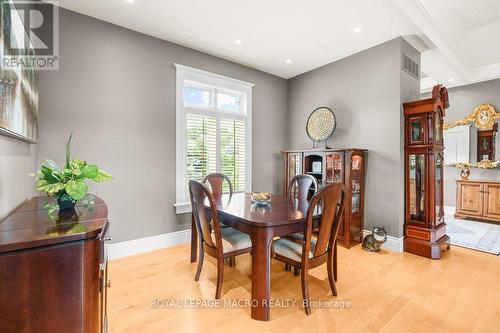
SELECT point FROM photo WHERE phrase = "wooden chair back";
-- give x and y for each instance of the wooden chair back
(205, 224)
(216, 182)
(303, 183)
(329, 197)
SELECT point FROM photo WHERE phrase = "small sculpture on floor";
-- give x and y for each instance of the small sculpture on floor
(372, 242)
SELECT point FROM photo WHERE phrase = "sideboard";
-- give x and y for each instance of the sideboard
(478, 199)
(347, 166)
(53, 269)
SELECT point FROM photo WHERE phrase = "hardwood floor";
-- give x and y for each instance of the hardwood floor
(388, 292)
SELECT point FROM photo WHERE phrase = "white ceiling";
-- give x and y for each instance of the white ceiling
(464, 38)
(311, 34)
(459, 39)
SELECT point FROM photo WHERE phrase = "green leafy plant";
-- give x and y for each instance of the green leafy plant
(68, 183)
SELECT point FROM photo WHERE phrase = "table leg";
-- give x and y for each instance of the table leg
(261, 272)
(194, 240)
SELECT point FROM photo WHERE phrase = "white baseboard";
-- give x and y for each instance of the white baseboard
(449, 210)
(394, 244)
(141, 245)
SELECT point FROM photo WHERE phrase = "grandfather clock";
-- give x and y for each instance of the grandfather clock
(425, 229)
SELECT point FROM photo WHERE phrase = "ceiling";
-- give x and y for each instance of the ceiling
(459, 39)
(462, 39)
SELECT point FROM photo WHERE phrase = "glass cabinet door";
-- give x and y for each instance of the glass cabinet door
(356, 182)
(416, 181)
(334, 168)
(294, 165)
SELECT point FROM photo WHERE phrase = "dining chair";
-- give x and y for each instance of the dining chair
(311, 253)
(299, 188)
(220, 243)
(216, 182)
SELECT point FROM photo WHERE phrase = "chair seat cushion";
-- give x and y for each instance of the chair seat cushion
(234, 240)
(298, 236)
(291, 249)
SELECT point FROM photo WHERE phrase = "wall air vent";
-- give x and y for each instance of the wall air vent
(410, 66)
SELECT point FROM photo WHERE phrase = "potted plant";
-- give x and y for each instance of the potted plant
(68, 185)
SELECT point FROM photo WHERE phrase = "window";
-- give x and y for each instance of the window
(213, 131)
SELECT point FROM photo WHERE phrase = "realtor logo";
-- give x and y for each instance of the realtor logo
(29, 37)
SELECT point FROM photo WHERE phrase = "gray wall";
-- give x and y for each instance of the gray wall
(116, 91)
(365, 91)
(463, 100)
(17, 161)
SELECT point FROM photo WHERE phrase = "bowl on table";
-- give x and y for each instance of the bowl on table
(261, 198)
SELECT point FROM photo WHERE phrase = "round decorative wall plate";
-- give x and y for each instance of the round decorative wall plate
(321, 124)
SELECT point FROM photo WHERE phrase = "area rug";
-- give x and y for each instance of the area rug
(479, 236)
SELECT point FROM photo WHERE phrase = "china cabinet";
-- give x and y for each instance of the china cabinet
(425, 229)
(345, 166)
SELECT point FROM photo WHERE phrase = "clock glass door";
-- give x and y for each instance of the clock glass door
(416, 167)
(416, 130)
(438, 127)
(439, 188)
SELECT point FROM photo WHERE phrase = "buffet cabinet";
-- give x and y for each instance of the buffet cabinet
(345, 166)
(53, 269)
(478, 199)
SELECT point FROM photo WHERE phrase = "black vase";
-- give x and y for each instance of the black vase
(66, 203)
(67, 215)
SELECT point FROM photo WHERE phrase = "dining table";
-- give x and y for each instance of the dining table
(262, 222)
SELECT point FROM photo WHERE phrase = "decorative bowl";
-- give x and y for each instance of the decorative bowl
(261, 198)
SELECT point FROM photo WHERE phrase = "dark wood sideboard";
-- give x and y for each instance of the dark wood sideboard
(347, 166)
(53, 270)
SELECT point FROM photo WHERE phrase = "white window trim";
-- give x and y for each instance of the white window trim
(186, 73)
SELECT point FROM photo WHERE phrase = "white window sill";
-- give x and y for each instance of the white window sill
(182, 208)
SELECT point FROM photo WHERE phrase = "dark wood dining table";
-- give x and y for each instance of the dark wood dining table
(262, 222)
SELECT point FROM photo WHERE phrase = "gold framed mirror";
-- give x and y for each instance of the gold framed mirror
(484, 119)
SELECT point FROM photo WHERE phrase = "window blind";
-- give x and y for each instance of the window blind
(201, 147)
(233, 152)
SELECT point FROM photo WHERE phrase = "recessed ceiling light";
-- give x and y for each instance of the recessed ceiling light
(451, 79)
(357, 29)
(288, 61)
(238, 42)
